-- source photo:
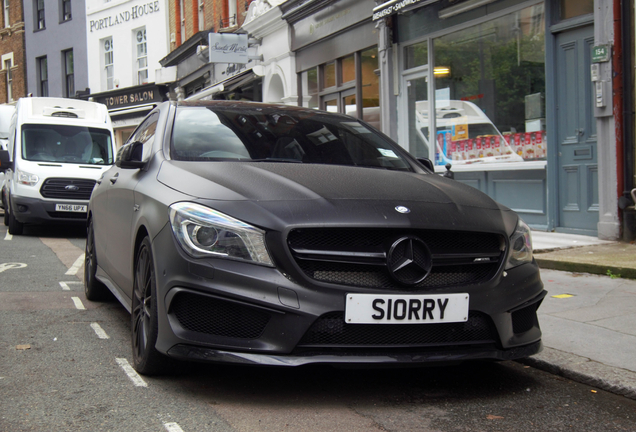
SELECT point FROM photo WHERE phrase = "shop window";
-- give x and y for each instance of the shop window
(574, 8)
(370, 87)
(348, 67)
(416, 55)
(43, 76)
(69, 73)
(142, 56)
(329, 74)
(489, 87)
(40, 23)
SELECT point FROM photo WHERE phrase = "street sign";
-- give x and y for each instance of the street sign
(601, 53)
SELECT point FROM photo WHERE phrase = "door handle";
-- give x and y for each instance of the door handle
(579, 132)
(114, 178)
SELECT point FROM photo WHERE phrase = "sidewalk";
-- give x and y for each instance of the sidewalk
(588, 320)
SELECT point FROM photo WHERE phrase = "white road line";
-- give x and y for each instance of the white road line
(8, 236)
(78, 303)
(65, 285)
(75, 267)
(99, 331)
(132, 374)
(172, 427)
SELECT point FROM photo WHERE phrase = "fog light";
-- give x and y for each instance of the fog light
(23, 209)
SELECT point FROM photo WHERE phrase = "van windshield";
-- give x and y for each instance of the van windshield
(66, 144)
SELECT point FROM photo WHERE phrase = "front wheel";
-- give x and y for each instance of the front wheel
(146, 359)
(93, 288)
(15, 227)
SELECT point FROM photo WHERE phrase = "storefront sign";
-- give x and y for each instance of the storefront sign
(133, 13)
(130, 97)
(228, 48)
(394, 6)
(329, 20)
(601, 53)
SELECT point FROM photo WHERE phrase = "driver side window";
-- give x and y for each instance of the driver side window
(145, 134)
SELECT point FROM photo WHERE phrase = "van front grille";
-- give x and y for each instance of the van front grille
(67, 188)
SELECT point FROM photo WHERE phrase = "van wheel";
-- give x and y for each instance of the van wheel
(15, 227)
(93, 288)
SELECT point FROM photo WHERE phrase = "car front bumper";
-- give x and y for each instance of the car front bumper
(229, 311)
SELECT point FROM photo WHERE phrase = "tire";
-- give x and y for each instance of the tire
(93, 288)
(15, 227)
(146, 359)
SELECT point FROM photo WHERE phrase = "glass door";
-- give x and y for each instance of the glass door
(415, 132)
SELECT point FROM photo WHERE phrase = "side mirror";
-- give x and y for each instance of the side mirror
(428, 164)
(129, 156)
(5, 161)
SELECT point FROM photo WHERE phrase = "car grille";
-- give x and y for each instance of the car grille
(217, 317)
(331, 331)
(524, 319)
(358, 257)
(57, 188)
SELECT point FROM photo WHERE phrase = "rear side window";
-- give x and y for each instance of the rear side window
(66, 144)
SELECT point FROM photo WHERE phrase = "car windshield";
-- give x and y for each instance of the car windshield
(66, 144)
(277, 134)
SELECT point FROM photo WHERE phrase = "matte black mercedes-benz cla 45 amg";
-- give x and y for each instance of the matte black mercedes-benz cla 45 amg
(277, 235)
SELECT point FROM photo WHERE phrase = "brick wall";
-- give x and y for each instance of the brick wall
(12, 41)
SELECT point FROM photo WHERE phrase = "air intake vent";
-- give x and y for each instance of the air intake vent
(68, 112)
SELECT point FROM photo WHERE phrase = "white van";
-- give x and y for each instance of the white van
(58, 149)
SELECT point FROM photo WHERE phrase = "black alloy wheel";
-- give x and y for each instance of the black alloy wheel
(93, 288)
(146, 359)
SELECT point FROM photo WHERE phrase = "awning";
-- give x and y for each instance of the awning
(228, 84)
(394, 6)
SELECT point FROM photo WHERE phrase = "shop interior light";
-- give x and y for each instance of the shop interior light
(441, 71)
(462, 7)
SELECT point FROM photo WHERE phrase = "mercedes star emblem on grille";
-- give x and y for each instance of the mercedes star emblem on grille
(409, 260)
(71, 188)
(402, 209)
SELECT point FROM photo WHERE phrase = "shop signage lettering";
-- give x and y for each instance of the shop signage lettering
(393, 7)
(228, 48)
(473, 97)
(135, 12)
(132, 98)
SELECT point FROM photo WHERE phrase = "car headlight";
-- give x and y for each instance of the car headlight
(203, 232)
(520, 246)
(26, 178)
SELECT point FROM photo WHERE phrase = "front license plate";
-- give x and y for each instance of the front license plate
(406, 309)
(77, 208)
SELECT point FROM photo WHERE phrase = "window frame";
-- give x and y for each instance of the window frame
(64, 17)
(6, 14)
(8, 64)
(40, 15)
(69, 76)
(43, 81)
(143, 43)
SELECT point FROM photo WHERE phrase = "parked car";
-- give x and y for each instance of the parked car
(6, 111)
(276, 235)
(57, 148)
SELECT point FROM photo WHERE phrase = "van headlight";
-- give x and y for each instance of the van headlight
(26, 178)
(520, 246)
(204, 233)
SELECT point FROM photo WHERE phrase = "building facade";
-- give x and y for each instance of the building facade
(125, 40)
(13, 67)
(55, 37)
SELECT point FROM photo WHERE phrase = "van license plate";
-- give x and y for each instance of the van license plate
(406, 309)
(76, 208)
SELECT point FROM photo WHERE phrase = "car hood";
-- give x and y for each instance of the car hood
(308, 194)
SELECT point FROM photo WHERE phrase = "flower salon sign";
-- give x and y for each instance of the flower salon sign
(228, 48)
(134, 12)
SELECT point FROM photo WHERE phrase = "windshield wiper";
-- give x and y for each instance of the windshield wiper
(288, 160)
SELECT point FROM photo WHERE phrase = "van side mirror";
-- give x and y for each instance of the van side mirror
(130, 156)
(428, 164)
(5, 161)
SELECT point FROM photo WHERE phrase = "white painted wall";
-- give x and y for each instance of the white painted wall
(119, 19)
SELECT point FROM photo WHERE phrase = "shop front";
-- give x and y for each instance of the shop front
(472, 90)
(128, 107)
(336, 57)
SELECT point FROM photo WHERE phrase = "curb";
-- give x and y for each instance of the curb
(585, 371)
(547, 263)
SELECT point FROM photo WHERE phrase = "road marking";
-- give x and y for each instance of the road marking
(8, 236)
(65, 285)
(76, 266)
(132, 374)
(172, 427)
(78, 303)
(99, 331)
(7, 266)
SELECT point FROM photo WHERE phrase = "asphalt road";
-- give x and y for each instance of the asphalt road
(64, 367)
